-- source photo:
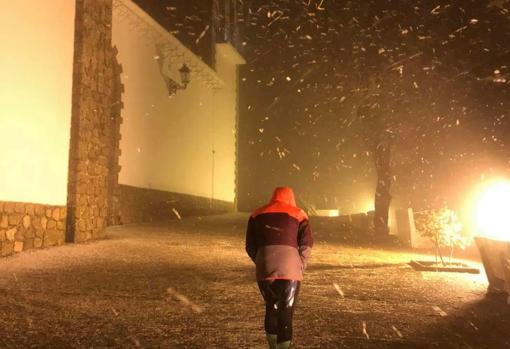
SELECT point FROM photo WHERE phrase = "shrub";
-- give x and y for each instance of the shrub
(444, 229)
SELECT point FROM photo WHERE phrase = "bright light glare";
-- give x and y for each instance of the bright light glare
(492, 212)
(328, 213)
(369, 206)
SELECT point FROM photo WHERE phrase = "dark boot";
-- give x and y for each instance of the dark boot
(284, 345)
(271, 340)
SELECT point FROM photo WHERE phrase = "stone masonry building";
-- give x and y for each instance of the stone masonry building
(99, 130)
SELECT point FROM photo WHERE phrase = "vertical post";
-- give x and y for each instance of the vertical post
(75, 122)
(213, 148)
(214, 30)
(228, 16)
(235, 23)
(212, 176)
(87, 195)
(236, 178)
(382, 153)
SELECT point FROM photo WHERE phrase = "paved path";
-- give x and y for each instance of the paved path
(188, 284)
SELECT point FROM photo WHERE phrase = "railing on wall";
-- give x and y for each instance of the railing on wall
(173, 51)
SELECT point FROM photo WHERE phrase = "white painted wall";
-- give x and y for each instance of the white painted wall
(167, 143)
(227, 60)
(36, 62)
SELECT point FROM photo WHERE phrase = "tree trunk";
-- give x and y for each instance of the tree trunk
(382, 193)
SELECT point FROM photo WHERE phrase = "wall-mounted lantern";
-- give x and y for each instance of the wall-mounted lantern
(167, 60)
(185, 75)
(173, 86)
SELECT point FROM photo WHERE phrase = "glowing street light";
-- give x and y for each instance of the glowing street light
(492, 223)
(492, 212)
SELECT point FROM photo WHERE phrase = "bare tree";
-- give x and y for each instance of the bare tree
(382, 200)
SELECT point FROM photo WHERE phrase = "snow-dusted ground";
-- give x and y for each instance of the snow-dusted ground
(189, 284)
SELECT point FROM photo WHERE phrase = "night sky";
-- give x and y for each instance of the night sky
(433, 74)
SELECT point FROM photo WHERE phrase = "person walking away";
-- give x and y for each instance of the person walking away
(279, 241)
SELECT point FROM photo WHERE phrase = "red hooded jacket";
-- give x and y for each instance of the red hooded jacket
(278, 238)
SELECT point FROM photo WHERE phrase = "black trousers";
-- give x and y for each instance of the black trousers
(280, 297)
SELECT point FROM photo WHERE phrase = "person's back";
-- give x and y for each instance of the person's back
(279, 242)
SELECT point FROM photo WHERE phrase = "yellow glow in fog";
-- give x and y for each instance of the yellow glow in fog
(328, 213)
(492, 211)
(36, 70)
(369, 206)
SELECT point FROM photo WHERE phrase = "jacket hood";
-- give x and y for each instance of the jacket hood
(285, 195)
(282, 201)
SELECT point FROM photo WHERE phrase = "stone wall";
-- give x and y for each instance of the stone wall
(25, 226)
(147, 205)
(95, 124)
(95, 199)
(113, 139)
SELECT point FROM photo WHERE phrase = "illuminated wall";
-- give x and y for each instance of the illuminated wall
(36, 61)
(167, 143)
(224, 131)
